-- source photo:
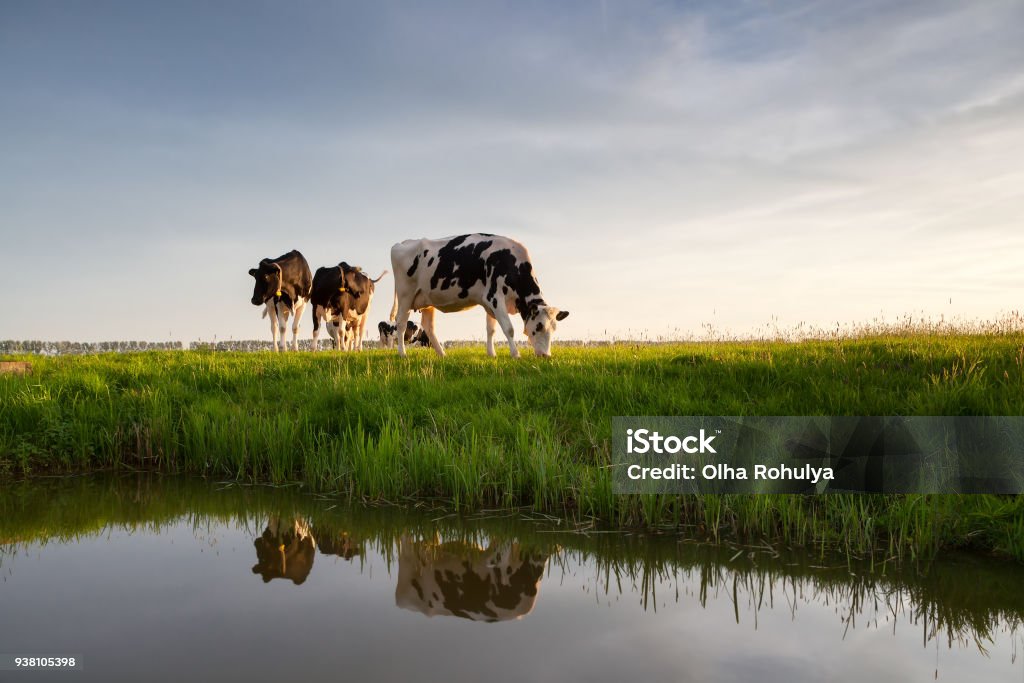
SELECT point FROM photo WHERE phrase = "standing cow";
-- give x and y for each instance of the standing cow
(456, 273)
(283, 285)
(341, 296)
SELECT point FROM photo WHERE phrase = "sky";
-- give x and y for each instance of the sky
(671, 166)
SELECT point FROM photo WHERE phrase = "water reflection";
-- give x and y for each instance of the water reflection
(285, 551)
(372, 574)
(496, 583)
(338, 543)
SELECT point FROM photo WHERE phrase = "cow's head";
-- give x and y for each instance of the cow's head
(540, 323)
(268, 282)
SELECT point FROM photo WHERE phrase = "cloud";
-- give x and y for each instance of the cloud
(811, 161)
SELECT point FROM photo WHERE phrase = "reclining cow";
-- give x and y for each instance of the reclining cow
(341, 295)
(499, 583)
(456, 273)
(413, 334)
(282, 285)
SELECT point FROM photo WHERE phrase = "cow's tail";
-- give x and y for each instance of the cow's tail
(394, 307)
(380, 277)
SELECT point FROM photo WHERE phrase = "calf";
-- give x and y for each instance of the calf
(456, 273)
(282, 285)
(413, 334)
(341, 295)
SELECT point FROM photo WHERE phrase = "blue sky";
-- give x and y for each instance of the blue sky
(669, 165)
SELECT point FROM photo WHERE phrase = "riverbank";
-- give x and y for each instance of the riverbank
(485, 433)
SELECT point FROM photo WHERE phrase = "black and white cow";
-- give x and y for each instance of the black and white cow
(341, 295)
(497, 583)
(282, 285)
(413, 334)
(456, 273)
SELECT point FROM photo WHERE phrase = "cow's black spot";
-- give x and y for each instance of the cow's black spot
(424, 252)
(412, 268)
(540, 326)
(466, 592)
(518, 275)
(416, 587)
(460, 266)
(430, 262)
(504, 289)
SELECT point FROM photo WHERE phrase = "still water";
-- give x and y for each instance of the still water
(174, 579)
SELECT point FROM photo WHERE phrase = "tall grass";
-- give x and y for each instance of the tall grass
(479, 432)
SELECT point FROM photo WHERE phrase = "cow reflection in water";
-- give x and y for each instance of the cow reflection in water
(498, 583)
(285, 550)
(338, 543)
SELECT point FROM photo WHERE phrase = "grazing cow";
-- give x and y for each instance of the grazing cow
(341, 295)
(413, 334)
(285, 551)
(282, 286)
(457, 273)
(498, 583)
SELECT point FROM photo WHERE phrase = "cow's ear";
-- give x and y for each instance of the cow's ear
(562, 315)
(253, 271)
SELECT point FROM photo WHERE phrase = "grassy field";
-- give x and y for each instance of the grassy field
(484, 433)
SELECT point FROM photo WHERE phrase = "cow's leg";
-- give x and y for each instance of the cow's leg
(349, 336)
(362, 329)
(343, 334)
(272, 314)
(427, 323)
(401, 321)
(300, 308)
(332, 329)
(506, 326)
(318, 312)
(492, 325)
(282, 323)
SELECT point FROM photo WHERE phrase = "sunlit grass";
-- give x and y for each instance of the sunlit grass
(478, 432)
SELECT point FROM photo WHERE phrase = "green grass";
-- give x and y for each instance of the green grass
(482, 432)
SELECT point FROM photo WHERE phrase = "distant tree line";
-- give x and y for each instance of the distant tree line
(69, 348)
(64, 348)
